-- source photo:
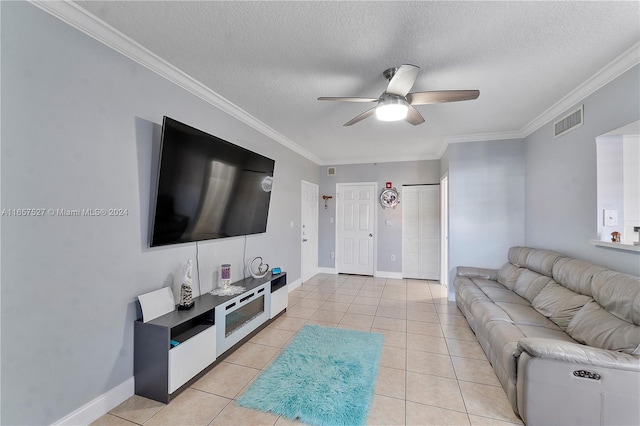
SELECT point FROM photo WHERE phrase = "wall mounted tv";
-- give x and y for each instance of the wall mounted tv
(208, 188)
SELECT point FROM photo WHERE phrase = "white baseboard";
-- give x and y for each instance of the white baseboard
(377, 274)
(386, 274)
(292, 286)
(100, 406)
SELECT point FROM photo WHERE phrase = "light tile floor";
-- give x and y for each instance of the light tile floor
(432, 370)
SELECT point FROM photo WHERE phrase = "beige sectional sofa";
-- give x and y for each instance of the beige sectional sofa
(562, 335)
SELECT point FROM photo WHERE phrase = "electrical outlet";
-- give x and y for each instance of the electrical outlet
(393, 257)
(333, 254)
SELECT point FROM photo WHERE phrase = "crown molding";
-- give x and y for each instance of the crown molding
(627, 60)
(370, 160)
(497, 136)
(90, 25)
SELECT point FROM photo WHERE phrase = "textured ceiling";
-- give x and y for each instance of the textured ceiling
(274, 59)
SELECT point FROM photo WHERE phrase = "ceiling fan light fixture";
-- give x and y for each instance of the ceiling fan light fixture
(392, 109)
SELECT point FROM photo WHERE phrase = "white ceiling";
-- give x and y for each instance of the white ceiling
(274, 59)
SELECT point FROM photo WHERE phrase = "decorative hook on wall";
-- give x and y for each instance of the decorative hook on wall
(326, 198)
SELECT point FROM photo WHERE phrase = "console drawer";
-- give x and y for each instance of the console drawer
(191, 357)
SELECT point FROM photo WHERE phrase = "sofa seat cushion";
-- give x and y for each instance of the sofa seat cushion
(483, 283)
(595, 326)
(485, 311)
(504, 295)
(547, 333)
(467, 291)
(525, 315)
(559, 304)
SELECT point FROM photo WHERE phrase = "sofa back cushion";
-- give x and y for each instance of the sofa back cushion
(529, 284)
(619, 294)
(508, 275)
(595, 326)
(517, 255)
(559, 304)
(575, 274)
(540, 261)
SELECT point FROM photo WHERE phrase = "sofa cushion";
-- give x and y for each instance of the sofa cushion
(544, 332)
(486, 310)
(467, 291)
(575, 274)
(485, 283)
(517, 256)
(619, 294)
(508, 275)
(559, 304)
(594, 326)
(504, 295)
(540, 261)
(526, 315)
(529, 284)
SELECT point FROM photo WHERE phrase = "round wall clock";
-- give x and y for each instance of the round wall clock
(389, 198)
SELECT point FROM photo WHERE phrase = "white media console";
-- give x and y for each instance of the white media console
(175, 349)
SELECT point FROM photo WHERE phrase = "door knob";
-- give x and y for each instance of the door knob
(371, 235)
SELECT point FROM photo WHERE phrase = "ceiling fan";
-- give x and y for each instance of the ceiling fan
(396, 103)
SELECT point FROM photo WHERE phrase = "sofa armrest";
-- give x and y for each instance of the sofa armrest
(578, 354)
(473, 272)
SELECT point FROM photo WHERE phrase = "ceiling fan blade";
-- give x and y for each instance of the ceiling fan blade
(367, 113)
(414, 117)
(346, 99)
(402, 81)
(440, 96)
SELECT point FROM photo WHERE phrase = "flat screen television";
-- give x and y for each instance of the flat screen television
(208, 188)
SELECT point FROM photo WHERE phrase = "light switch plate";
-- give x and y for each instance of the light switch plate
(611, 217)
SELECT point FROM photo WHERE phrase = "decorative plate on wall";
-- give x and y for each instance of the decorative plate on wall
(389, 198)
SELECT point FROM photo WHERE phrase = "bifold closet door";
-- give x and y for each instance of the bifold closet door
(421, 231)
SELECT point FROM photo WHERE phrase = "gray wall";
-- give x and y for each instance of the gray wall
(561, 210)
(80, 129)
(389, 237)
(486, 202)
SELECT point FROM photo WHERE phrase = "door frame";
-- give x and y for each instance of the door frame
(304, 183)
(375, 223)
(444, 230)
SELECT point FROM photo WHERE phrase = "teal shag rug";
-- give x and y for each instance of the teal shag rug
(326, 376)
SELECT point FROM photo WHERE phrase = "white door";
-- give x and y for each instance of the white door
(421, 232)
(309, 231)
(355, 227)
